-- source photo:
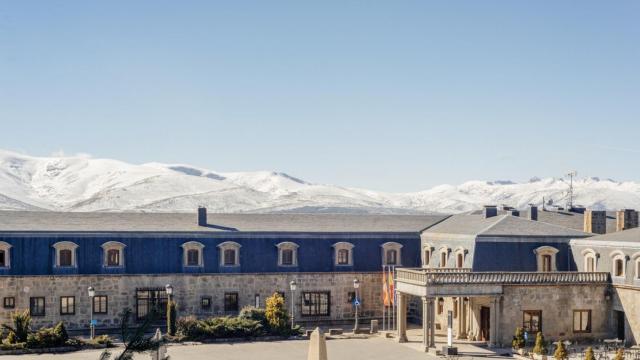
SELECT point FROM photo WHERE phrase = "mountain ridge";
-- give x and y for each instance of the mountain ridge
(82, 183)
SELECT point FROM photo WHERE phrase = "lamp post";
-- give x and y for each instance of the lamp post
(356, 302)
(92, 327)
(293, 285)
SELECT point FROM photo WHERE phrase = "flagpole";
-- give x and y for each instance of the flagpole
(384, 328)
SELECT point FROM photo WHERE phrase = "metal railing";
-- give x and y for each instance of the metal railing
(426, 277)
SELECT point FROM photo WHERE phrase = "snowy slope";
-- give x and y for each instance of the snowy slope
(85, 184)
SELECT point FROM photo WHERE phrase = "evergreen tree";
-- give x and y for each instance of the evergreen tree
(518, 339)
(561, 351)
(541, 345)
(276, 314)
(588, 355)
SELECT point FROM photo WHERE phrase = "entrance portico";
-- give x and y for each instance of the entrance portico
(476, 300)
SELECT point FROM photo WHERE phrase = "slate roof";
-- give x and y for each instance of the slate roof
(566, 219)
(631, 235)
(501, 225)
(27, 221)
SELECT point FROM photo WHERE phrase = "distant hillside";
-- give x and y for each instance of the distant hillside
(86, 184)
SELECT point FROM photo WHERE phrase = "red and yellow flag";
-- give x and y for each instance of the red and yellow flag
(385, 290)
(391, 288)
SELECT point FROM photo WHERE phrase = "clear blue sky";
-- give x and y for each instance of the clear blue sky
(394, 95)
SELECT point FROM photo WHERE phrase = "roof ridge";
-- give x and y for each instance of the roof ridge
(493, 224)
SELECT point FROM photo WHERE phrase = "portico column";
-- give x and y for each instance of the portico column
(462, 321)
(493, 332)
(402, 317)
(432, 322)
(426, 322)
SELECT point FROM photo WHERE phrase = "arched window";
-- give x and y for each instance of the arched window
(65, 254)
(287, 254)
(460, 255)
(193, 254)
(113, 254)
(546, 256)
(427, 252)
(619, 262)
(391, 253)
(343, 253)
(5, 252)
(636, 256)
(590, 264)
(229, 253)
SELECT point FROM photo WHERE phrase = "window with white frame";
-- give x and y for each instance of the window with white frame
(444, 256)
(287, 254)
(229, 253)
(192, 254)
(5, 255)
(460, 257)
(636, 258)
(343, 254)
(65, 252)
(619, 263)
(427, 252)
(590, 260)
(391, 253)
(113, 254)
(546, 258)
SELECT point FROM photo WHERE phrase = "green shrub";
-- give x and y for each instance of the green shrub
(589, 354)
(189, 327)
(254, 313)
(561, 351)
(541, 346)
(277, 316)
(11, 338)
(619, 354)
(48, 337)
(7, 346)
(21, 326)
(103, 340)
(518, 339)
(171, 318)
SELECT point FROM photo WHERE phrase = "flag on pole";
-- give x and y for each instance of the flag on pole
(385, 290)
(391, 287)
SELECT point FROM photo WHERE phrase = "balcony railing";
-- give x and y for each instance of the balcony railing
(427, 277)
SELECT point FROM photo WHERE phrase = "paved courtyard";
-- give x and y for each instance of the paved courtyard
(348, 349)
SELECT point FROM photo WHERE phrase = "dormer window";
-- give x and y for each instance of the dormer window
(391, 253)
(343, 254)
(427, 252)
(444, 256)
(546, 258)
(229, 253)
(636, 257)
(5, 258)
(619, 261)
(192, 254)
(460, 257)
(113, 254)
(65, 254)
(590, 260)
(287, 254)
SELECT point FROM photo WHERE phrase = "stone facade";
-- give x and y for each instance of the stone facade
(188, 292)
(627, 300)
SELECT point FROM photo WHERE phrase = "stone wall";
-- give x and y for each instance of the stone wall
(557, 304)
(188, 291)
(627, 299)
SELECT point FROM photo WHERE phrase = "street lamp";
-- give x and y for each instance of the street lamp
(356, 302)
(92, 327)
(169, 290)
(293, 285)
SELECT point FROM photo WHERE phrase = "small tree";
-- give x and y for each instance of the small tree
(619, 354)
(561, 351)
(541, 345)
(277, 316)
(171, 318)
(518, 339)
(21, 326)
(61, 332)
(134, 341)
(588, 355)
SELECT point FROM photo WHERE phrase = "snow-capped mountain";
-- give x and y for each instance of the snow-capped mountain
(79, 183)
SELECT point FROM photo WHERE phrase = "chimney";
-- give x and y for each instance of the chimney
(595, 221)
(626, 219)
(202, 216)
(533, 212)
(490, 211)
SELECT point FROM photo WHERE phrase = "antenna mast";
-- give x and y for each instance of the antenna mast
(571, 175)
